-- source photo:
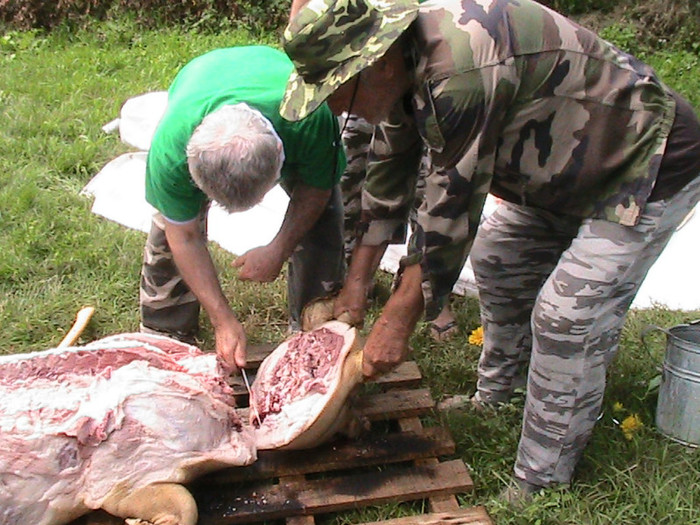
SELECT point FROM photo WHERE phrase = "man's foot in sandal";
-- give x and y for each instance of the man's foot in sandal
(444, 326)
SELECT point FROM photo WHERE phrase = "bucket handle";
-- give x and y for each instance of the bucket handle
(651, 327)
(645, 332)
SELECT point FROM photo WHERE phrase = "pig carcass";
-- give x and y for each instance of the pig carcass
(299, 398)
(119, 424)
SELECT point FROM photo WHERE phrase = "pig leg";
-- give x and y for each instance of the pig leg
(159, 504)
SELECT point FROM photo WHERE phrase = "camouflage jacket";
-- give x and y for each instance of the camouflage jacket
(514, 99)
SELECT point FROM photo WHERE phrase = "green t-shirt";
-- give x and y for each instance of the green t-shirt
(256, 75)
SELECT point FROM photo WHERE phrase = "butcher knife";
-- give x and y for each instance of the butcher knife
(250, 396)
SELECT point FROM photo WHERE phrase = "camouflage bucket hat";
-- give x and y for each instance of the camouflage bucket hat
(330, 41)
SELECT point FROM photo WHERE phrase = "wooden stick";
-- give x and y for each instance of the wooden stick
(81, 321)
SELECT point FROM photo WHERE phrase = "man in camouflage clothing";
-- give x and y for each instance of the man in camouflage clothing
(356, 137)
(595, 159)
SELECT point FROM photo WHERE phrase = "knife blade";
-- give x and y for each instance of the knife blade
(250, 397)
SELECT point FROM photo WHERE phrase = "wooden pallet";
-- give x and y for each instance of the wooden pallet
(395, 461)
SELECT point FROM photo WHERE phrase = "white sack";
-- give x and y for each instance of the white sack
(118, 190)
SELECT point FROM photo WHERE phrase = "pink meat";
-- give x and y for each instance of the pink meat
(302, 370)
(127, 410)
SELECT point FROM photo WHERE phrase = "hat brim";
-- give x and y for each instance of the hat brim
(301, 97)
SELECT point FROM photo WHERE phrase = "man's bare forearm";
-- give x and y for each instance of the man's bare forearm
(405, 306)
(197, 269)
(387, 344)
(305, 207)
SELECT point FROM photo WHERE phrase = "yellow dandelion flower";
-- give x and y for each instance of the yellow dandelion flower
(618, 407)
(630, 425)
(476, 337)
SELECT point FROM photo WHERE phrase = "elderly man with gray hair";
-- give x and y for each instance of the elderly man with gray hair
(222, 139)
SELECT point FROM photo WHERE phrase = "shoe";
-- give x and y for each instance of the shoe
(480, 405)
(455, 403)
(180, 336)
(519, 493)
(443, 333)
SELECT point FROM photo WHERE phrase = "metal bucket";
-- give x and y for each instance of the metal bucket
(678, 407)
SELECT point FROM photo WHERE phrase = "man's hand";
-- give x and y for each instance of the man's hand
(231, 345)
(351, 304)
(387, 344)
(262, 264)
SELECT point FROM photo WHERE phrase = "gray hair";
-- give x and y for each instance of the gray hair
(235, 156)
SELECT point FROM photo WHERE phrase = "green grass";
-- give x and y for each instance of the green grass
(56, 92)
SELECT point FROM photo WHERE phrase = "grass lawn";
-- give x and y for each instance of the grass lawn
(58, 90)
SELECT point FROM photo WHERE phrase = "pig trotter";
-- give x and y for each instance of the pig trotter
(159, 504)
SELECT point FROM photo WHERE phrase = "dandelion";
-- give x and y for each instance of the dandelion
(476, 337)
(618, 407)
(630, 425)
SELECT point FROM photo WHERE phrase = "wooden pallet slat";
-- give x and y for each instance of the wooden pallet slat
(331, 494)
(367, 451)
(255, 354)
(406, 375)
(395, 404)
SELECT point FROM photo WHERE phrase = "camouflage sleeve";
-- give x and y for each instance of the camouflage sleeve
(446, 226)
(453, 121)
(388, 193)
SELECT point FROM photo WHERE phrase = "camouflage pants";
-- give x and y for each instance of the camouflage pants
(316, 267)
(356, 137)
(166, 303)
(554, 293)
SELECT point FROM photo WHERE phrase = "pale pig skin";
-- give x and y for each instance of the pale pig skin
(303, 387)
(117, 425)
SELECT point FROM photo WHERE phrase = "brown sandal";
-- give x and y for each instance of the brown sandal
(443, 333)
